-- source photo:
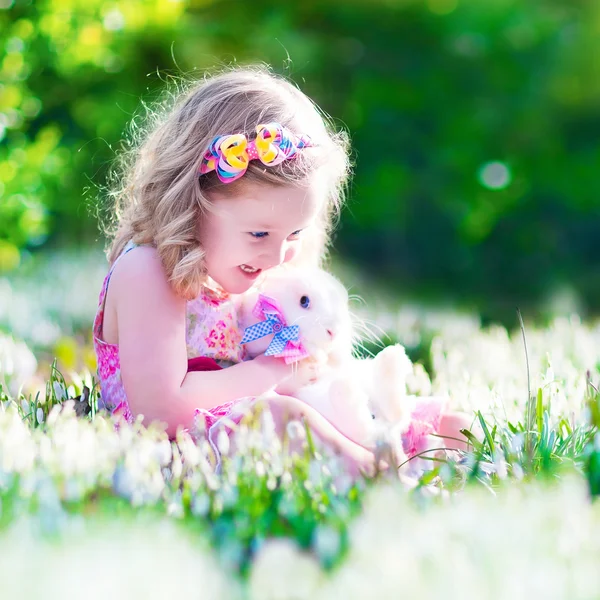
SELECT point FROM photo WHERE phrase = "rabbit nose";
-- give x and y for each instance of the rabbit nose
(330, 332)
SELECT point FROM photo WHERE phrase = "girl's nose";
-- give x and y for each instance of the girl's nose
(277, 255)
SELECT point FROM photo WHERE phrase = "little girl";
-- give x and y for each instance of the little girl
(242, 175)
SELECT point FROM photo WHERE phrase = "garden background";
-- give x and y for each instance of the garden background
(474, 128)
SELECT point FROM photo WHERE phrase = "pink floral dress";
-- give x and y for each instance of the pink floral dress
(212, 332)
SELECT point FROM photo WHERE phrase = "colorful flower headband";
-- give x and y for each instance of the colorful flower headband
(229, 155)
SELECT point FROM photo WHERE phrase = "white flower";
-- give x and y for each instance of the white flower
(223, 442)
(315, 472)
(59, 391)
(200, 504)
(295, 430)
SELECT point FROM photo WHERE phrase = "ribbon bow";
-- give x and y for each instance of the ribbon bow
(286, 341)
(229, 155)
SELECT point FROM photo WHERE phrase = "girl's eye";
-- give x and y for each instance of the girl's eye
(259, 234)
(305, 302)
(296, 233)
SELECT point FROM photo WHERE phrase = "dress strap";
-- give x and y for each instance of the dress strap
(102, 299)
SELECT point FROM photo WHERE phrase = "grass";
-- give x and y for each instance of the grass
(263, 492)
(51, 471)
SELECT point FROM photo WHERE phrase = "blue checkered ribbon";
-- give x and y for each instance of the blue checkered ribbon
(272, 325)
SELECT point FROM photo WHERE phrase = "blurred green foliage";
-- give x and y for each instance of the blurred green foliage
(475, 125)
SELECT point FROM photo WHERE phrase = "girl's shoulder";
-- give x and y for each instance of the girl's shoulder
(139, 263)
(139, 285)
(140, 269)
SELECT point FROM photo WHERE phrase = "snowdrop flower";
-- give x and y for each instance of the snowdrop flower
(315, 473)
(295, 430)
(200, 504)
(223, 442)
(175, 506)
(259, 468)
(59, 391)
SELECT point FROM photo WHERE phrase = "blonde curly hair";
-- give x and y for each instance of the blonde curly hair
(159, 196)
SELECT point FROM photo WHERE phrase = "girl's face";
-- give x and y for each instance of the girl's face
(260, 228)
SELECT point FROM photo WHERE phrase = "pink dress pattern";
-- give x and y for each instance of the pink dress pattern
(211, 331)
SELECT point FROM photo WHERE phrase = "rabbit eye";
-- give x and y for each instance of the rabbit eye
(305, 302)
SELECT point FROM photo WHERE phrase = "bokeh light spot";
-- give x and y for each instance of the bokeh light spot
(9, 256)
(31, 107)
(14, 44)
(442, 7)
(114, 20)
(495, 175)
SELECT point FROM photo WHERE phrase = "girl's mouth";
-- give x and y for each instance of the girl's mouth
(248, 270)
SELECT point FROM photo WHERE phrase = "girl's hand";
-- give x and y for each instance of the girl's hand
(303, 373)
(290, 377)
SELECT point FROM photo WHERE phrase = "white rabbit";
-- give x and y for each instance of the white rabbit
(361, 397)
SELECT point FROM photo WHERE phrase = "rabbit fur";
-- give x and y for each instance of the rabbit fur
(365, 399)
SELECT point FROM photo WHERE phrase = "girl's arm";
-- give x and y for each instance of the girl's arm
(206, 389)
(151, 324)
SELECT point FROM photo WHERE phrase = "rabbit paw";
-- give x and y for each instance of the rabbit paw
(392, 364)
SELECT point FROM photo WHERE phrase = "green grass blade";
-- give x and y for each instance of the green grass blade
(486, 432)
